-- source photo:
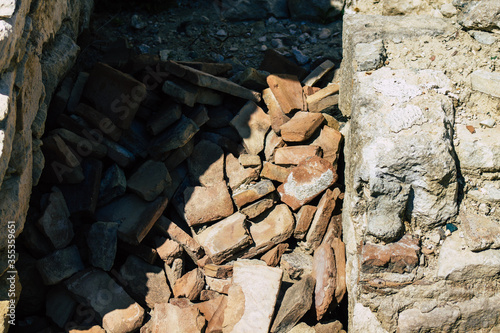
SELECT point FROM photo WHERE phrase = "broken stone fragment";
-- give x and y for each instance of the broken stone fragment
(253, 79)
(301, 127)
(172, 230)
(120, 313)
(297, 263)
(208, 308)
(206, 164)
(206, 204)
(166, 116)
(248, 160)
(274, 172)
(146, 283)
(237, 174)
(481, 232)
(177, 136)
(288, 92)
(218, 271)
(304, 219)
(252, 297)
(121, 155)
(168, 250)
(113, 185)
(321, 219)
(252, 124)
(251, 193)
(296, 302)
(329, 140)
(255, 209)
(185, 319)
(340, 263)
(149, 181)
(225, 238)
(399, 257)
(318, 73)
(60, 265)
(99, 121)
(273, 256)
(325, 273)
(202, 79)
(306, 181)
(102, 240)
(55, 222)
(190, 285)
(137, 216)
(174, 271)
(274, 228)
(219, 285)
(278, 117)
(295, 154)
(115, 94)
(91, 147)
(217, 321)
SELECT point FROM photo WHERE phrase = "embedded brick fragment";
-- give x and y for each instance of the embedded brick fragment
(399, 257)
(306, 181)
(198, 209)
(295, 154)
(301, 127)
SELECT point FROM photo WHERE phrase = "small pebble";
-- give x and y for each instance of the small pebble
(277, 43)
(301, 58)
(262, 39)
(325, 33)
(263, 48)
(221, 33)
(272, 20)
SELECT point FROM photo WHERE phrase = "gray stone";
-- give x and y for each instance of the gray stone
(486, 82)
(59, 306)
(297, 263)
(483, 37)
(481, 15)
(478, 312)
(236, 10)
(7, 8)
(478, 152)
(113, 185)
(369, 56)
(448, 10)
(399, 121)
(459, 265)
(60, 265)
(481, 232)
(55, 222)
(146, 283)
(181, 132)
(149, 180)
(364, 320)
(296, 302)
(119, 312)
(440, 319)
(102, 240)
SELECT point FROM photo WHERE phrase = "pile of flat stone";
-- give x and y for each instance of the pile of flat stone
(182, 201)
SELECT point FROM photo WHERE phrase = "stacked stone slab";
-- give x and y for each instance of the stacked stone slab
(190, 208)
(416, 237)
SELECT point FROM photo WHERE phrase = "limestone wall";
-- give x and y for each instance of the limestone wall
(37, 48)
(421, 210)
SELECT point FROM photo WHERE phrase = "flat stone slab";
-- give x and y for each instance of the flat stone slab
(55, 222)
(206, 163)
(297, 263)
(329, 140)
(306, 181)
(321, 219)
(288, 92)
(252, 297)
(198, 210)
(252, 123)
(325, 273)
(460, 265)
(237, 174)
(225, 238)
(270, 230)
(120, 313)
(190, 284)
(102, 240)
(301, 127)
(252, 192)
(60, 265)
(149, 180)
(293, 155)
(147, 283)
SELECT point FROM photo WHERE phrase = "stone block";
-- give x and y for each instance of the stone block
(478, 152)
(164, 117)
(190, 285)
(181, 132)
(273, 142)
(275, 112)
(441, 319)
(255, 209)
(273, 256)
(168, 250)
(187, 320)
(304, 218)
(486, 82)
(252, 124)
(399, 257)
(113, 185)
(251, 193)
(150, 179)
(481, 232)
(237, 174)
(206, 164)
(330, 141)
(198, 210)
(274, 172)
(325, 274)
(297, 264)
(482, 15)
(288, 92)
(60, 265)
(55, 222)
(301, 126)
(102, 241)
(294, 155)
(323, 99)
(172, 230)
(59, 306)
(321, 219)
(318, 73)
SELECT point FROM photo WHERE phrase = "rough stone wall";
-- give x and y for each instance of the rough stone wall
(37, 48)
(421, 210)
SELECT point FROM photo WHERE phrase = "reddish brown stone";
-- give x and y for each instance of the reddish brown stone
(304, 219)
(252, 193)
(217, 321)
(185, 319)
(248, 160)
(321, 219)
(168, 250)
(329, 140)
(308, 90)
(190, 284)
(471, 129)
(295, 154)
(288, 91)
(255, 209)
(208, 308)
(301, 127)
(325, 273)
(206, 295)
(237, 174)
(340, 261)
(323, 99)
(274, 172)
(170, 229)
(318, 73)
(273, 142)
(278, 117)
(218, 271)
(199, 210)
(273, 256)
(398, 257)
(252, 124)
(306, 181)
